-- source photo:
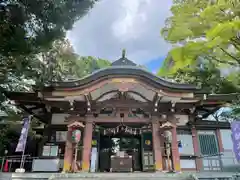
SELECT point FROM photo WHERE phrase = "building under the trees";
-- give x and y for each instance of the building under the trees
(129, 120)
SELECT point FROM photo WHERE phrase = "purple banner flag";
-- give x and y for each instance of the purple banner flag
(235, 126)
(24, 134)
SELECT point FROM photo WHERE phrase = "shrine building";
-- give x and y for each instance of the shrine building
(129, 120)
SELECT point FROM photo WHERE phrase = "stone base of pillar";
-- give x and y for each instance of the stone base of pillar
(85, 167)
(177, 167)
(66, 167)
(158, 166)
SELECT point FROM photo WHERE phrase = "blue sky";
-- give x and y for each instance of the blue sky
(154, 64)
(113, 25)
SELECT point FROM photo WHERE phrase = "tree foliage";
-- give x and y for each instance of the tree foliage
(209, 78)
(29, 28)
(60, 63)
(207, 29)
(206, 45)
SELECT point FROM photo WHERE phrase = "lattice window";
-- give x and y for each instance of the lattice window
(208, 144)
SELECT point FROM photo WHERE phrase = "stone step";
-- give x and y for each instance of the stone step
(90, 176)
(115, 176)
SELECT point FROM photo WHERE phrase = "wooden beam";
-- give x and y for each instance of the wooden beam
(122, 104)
(108, 119)
(38, 106)
(35, 115)
(22, 96)
(211, 124)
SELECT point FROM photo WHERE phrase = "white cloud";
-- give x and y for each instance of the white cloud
(116, 24)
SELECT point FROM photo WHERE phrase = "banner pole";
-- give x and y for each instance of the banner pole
(21, 165)
(23, 152)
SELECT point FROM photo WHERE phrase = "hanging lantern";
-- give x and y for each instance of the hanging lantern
(76, 135)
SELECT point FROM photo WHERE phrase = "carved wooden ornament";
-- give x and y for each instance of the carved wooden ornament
(76, 124)
(167, 125)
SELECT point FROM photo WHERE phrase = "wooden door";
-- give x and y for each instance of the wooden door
(147, 152)
(105, 150)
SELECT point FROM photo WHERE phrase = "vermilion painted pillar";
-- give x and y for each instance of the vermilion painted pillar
(157, 146)
(220, 146)
(196, 149)
(87, 146)
(219, 139)
(68, 155)
(175, 152)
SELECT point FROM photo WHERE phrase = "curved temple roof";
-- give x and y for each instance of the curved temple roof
(125, 71)
(123, 67)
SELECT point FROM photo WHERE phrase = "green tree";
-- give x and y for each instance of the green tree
(89, 64)
(207, 29)
(209, 78)
(29, 28)
(60, 63)
(205, 32)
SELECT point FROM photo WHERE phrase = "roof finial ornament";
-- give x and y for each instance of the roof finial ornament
(123, 53)
(123, 61)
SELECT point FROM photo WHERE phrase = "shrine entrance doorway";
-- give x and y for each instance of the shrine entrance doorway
(120, 153)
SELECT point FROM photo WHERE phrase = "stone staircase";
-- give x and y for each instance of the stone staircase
(119, 176)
